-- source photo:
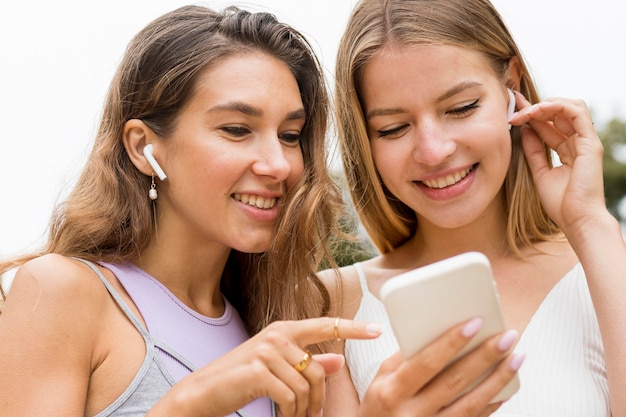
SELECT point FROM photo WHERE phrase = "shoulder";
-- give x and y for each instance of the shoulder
(57, 317)
(344, 287)
(58, 275)
(556, 257)
(53, 288)
(340, 279)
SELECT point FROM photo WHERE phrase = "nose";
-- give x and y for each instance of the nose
(271, 159)
(433, 144)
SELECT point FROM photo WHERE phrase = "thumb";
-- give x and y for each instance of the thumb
(331, 362)
(535, 153)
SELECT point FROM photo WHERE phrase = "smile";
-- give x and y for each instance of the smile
(448, 180)
(256, 200)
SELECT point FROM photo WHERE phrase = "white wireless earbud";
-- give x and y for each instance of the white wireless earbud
(147, 152)
(511, 108)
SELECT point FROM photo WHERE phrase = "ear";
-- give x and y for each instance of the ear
(514, 73)
(136, 135)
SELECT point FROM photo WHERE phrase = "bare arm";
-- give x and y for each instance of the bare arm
(45, 342)
(602, 252)
(573, 196)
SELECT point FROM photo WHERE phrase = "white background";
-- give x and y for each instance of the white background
(57, 58)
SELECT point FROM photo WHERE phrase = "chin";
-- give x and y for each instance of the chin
(257, 244)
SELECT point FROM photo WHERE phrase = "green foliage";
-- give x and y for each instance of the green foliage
(613, 137)
(355, 245)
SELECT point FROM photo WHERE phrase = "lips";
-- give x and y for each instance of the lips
(448, 180)
(256, 200)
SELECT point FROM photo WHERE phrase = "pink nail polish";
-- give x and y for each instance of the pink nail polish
(516, 361)
(507, 340)
(472, 327)
(374, 329)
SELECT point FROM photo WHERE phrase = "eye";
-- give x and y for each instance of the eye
(394, 132)
(464, 110)
(290, 138)
(235, 131)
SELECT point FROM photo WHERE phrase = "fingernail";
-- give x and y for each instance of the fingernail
(472, 327)
(516, 361)
(507, 340)
(374, 329)
(519, 94)
(343, 360)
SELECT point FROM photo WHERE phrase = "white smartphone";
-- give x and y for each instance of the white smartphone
(426, 302)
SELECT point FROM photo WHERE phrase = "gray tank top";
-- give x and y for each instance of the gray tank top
(178, 341)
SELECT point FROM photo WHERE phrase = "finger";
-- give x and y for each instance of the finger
(313, 391)
(568, 117)
(297, 371)
(470, 410)
(414, 373)
(331, 362)
(574, 112)
(482, 376)
(479, 401)
(544, 128)
(501, 378)
(281, 394)
(316, 377)
(561, 134)
(311, 331)
(468, 371)
(535, 153)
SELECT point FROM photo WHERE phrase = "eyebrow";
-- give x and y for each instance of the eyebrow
(457, 89)
(446, 95)
(252, 111)
(237, 107)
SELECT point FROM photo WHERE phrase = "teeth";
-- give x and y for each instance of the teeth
(256, 200)
(448, 180)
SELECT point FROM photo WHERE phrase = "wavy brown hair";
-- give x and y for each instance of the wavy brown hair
(470, 24)
(107, 216)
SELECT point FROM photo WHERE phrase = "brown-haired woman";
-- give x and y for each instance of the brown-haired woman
(199, 220)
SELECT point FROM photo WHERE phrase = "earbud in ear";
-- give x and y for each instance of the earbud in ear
(147, 152)
(511, 108)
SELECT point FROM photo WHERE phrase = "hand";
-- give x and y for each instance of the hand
(422, 385)
(264, 366)
(572, 193)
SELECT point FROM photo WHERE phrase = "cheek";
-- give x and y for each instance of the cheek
(386, 158)
(296, 165)
(502, 144)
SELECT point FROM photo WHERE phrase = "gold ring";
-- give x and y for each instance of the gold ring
(306, 360)
(336, 329)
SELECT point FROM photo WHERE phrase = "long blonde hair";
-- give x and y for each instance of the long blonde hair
(471, 24)
(107, 216)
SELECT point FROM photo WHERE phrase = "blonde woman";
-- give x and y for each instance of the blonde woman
(435, 169)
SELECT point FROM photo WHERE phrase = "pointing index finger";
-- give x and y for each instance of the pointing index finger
(316, 330)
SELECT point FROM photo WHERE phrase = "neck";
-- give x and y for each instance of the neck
(486, 234)
(192, 273)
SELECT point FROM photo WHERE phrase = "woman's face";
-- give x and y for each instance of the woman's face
(234, 154)
(437, 122)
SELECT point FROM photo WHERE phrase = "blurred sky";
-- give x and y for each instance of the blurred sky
(57, 59)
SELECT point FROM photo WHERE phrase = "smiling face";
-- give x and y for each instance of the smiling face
(233, 155)
(437, 123)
